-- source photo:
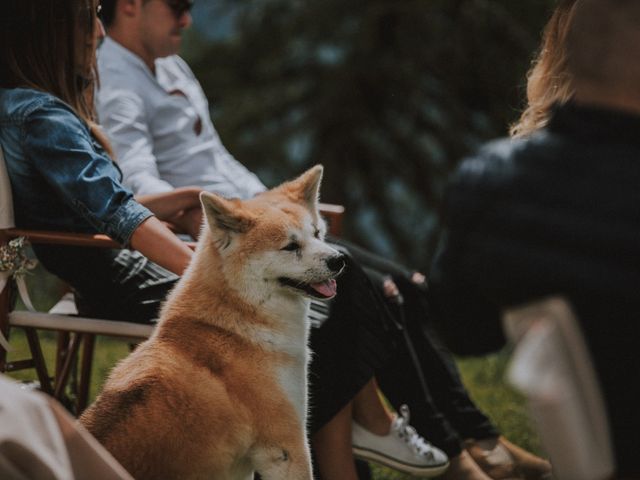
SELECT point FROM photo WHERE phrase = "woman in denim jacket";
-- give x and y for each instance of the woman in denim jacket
(58, 162)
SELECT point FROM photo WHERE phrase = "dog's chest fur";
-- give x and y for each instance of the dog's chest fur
(291, 341)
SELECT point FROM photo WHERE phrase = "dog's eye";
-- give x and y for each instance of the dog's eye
(292, 247)
(316, 233)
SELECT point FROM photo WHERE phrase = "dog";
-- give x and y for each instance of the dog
(220, 389)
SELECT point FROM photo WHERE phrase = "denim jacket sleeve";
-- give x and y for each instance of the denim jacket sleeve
(63, 151)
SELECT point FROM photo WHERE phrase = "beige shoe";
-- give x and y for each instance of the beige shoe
(462, 467)
(502, 460)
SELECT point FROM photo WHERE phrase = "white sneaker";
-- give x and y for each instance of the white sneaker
(402, 449)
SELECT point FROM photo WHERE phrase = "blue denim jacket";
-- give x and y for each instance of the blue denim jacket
(61, 178)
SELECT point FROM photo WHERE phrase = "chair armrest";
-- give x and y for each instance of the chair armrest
(65, 238)
(62, 238)
(333, 214)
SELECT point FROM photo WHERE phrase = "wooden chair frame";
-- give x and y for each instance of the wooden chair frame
(74, 333)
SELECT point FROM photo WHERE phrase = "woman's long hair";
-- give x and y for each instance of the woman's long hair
(548, 80)
(48, 45)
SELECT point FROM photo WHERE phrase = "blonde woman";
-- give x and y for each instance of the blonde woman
(555, 212)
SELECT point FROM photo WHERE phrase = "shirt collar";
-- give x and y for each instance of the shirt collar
(595, 123)
(123, 54)
(113, 55)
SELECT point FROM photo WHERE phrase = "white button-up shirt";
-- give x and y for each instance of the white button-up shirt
(160, 127)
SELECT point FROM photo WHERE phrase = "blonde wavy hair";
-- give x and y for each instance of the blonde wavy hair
(548, 80)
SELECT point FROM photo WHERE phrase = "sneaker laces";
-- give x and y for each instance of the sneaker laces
(410, 436)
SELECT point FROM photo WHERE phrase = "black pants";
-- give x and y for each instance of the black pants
(422, 372)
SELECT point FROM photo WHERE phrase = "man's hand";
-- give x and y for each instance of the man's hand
(189, 221)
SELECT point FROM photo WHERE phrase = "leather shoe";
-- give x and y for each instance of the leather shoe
(502, 460)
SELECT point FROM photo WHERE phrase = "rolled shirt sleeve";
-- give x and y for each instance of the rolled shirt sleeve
(123, 117)
(76, 167)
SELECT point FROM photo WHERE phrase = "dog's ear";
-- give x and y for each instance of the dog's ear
(306, 188)
(226, 216)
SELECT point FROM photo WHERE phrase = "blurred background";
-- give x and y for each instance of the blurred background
(388, 94)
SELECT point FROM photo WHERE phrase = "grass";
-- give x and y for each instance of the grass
(484, 379)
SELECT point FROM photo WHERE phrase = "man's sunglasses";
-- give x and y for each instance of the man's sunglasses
(180, 7)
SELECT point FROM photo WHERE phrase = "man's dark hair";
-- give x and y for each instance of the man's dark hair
(108, 12)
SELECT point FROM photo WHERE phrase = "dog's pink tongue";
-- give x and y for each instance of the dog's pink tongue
(327, 289)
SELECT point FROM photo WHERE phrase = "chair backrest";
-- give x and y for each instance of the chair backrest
(6, 203)
(6, 209)
(83, 330)
(552, 366)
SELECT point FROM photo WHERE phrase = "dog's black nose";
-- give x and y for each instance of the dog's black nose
(336, 263)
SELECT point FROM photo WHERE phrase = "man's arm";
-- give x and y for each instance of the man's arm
(181, 207)
(123, 117)
(167, 205)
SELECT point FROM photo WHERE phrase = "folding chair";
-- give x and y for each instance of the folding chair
(552, 367)
(74, 332)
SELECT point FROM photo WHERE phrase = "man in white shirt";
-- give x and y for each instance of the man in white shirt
(160, 128)
(159, 122)
(156, 116)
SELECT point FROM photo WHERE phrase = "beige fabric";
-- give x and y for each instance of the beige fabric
(6, 221)
(49, 321)
(4, 343)
(552, 366)
(4, 278)
(6, 208)
(65, 306)
(6, 203)
(40, 440)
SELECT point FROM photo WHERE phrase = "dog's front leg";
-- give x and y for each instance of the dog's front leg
(286, 462)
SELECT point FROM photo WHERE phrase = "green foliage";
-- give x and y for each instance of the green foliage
(507, 409)
(388, 94)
